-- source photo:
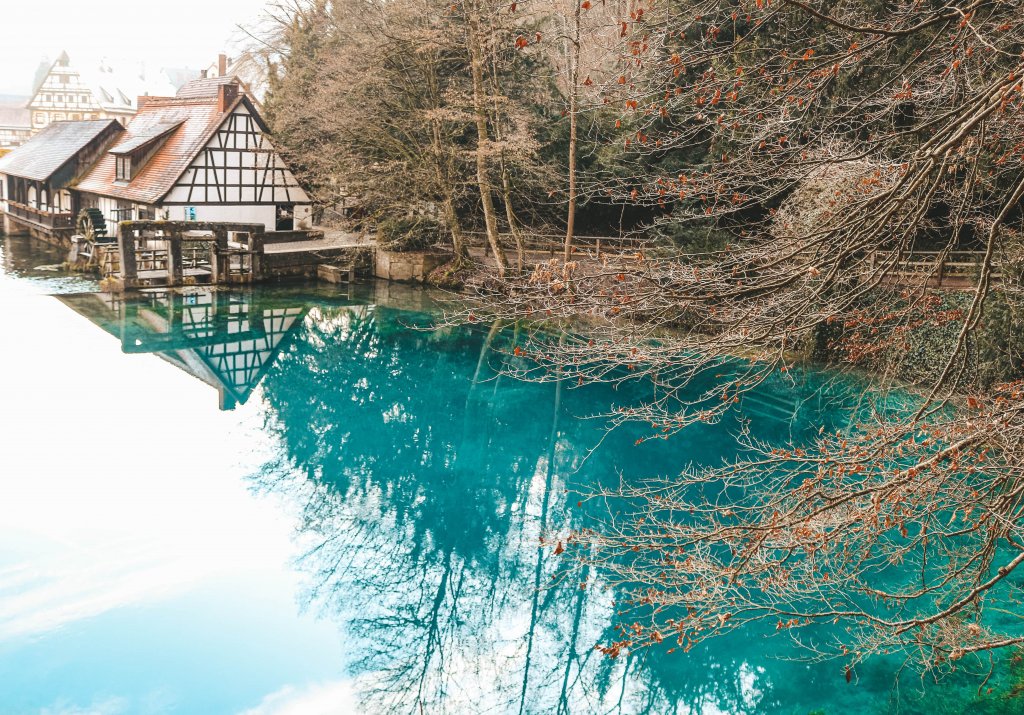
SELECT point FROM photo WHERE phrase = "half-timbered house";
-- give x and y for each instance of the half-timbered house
(94, 90)
(203, 155)
(15, 123)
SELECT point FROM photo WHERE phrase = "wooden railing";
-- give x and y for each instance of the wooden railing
(554, 244)
(151, 259)
(939, 268)
(196, 255)
(109, 260)
(44, 219)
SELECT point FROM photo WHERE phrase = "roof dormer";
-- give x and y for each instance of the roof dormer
(131, 155)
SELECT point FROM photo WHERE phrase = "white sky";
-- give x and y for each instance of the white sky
(180, 33)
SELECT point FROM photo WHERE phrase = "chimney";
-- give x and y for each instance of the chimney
(222, 64)
(226, 95)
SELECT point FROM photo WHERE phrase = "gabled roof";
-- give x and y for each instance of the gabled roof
(210, 86)
(42, 72)
(14, 112)
(197, 120)
(42, 155)
(179, 76)
(205, 87)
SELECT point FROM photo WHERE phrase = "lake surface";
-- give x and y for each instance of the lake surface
(300, 500)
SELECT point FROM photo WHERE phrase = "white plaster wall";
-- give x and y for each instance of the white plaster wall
(107, 206)
(266, 215)
(257, 165)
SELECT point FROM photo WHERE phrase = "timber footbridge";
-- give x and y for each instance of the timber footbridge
(149, 254)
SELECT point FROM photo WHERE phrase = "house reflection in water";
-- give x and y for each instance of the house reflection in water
(223, 337)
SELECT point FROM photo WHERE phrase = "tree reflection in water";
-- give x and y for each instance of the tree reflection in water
(426, 479)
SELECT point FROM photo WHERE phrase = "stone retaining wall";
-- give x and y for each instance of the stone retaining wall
(413, 266)
(303, 264)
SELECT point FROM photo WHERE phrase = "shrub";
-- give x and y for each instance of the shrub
(694, 240)
(409, 233)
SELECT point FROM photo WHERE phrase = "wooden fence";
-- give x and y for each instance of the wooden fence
(553, 244)
(939, 269)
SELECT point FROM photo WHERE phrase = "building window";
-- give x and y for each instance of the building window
(39, 118)
(46, 98)
(122, 214)
(58, 98)
(124, 168)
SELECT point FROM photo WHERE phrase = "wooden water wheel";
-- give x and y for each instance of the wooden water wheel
(92, 225)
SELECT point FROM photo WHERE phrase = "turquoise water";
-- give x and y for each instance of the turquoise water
(297, 500)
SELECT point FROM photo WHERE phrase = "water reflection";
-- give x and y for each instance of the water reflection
(37, 266)
(221, 337)
(420, 480)
(426, 479)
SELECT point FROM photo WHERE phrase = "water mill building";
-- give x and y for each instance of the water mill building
(202, 155)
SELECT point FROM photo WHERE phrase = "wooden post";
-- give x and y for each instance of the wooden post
(126, 257)
(257, 241)
(175, 270)
(220, 260)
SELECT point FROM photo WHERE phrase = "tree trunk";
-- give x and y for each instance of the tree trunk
(574, 84)
(443, 173)
(448, 203)
(462, 258)
(506, 180)
(506, 188)
(482, 179)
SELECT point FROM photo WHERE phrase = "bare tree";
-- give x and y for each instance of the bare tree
(363, 107)
(475, 41)
(833, 144)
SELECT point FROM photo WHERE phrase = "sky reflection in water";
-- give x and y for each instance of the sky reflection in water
(359, 534)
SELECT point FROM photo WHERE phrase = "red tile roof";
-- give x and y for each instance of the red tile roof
(205, 87)
(198, 119)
